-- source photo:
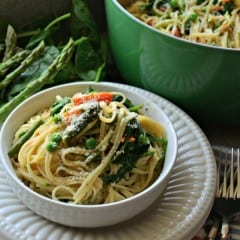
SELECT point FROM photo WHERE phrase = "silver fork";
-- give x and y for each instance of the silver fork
(228, 180)
(228, 171)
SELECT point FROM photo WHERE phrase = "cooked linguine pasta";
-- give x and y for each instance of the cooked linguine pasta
(91, 148)
(213, 22)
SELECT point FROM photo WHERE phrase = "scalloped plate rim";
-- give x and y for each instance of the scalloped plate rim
(205, 202)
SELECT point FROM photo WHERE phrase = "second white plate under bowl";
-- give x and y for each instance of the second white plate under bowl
(177, 214)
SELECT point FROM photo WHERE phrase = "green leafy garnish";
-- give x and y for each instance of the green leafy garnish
(72, 38)
(129, 152)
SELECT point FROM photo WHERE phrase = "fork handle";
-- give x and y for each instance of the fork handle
(225, 230)
(225, 237)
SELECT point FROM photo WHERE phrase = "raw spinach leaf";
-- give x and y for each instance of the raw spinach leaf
(87, 60)
(83, 22)
(67, 74)
(34, 71)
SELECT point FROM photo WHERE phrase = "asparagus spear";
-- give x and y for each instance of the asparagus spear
(23, 66)
(47, 31)
(13, 61)
(15, 148)
(80, 123)
(44, 78)
(58, 105)
(10, 42)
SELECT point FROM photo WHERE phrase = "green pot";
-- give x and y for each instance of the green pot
(203, 80)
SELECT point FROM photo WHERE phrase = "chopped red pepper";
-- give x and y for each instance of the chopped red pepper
(150, 22)
(132, 139)
(175, 32)
(97, 96)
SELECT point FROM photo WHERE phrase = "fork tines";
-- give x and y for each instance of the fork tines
(228, 171)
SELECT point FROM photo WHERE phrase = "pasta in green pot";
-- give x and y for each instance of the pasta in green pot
(91, 148)
(213, 22)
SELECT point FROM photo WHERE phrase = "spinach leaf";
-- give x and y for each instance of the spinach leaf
(65, 75)
(129, 152)
(34, 71)
(83, 22)
(87, 60)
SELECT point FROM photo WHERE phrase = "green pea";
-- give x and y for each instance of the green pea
(51, 146)
(56, 137)
(174, 3)
(193, 16)
(90, 143)
(57, 118)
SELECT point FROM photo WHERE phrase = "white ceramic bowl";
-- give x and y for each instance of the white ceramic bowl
(84, 215)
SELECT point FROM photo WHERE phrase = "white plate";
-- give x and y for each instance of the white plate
(177, 214)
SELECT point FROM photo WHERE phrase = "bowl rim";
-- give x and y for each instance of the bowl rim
(150, 188)
(154, 30)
